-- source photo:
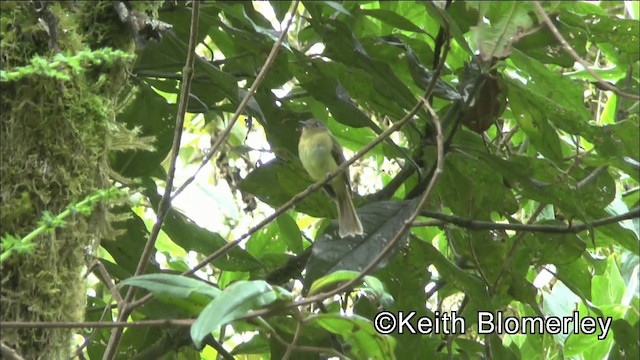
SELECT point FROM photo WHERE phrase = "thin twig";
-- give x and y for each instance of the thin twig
(96, 324)
(292, 345)
(565, 45)
(572, 228)
(165, 201)
(312, 349)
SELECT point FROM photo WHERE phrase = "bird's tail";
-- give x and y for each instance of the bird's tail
(348, 220)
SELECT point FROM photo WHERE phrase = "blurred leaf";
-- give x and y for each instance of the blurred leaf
(445, 19)
(508, 20)
(405, 273)
(423, 78)
(127, 248)
(192, 237)
(556, 249)
(609, 288)
(533, 122)
(558, 97)
(544, 47)
(393, 19)
(614, 142)
(617, 38)
(172, 285)
(151, 113)
(381, 221)
(364, 341)
(280, 8)
(626, 339)
(266, 242)
(178, 291)
(290, 232)
(234, 302)
(576, 273)
(472, 285)
(343, 46)
(277, 181)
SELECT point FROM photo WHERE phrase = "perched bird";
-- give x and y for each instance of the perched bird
(320, 154)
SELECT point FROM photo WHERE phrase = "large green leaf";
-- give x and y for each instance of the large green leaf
(277, 181)
(234, 302)
(359, 333)
(191, 237)
(507, 21)
(556, 98)
(381, 221)
(172, 285)
(155, 118)
(405, 274)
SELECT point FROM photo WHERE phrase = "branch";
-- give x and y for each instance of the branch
(165, 201)
(576, 57)
(549, 229)
(9, 353)
(96, 324)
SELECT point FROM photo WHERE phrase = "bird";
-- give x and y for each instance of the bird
(320, 153)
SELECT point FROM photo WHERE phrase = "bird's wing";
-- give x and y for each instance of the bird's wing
(338, 156)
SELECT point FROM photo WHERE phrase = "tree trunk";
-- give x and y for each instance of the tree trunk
(55, 130)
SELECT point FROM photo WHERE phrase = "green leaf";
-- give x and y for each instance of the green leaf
(443, 18)
(555, 248)
(381, 221)
(172, 285)
(392, 19)
(234, 302)
(337, 6)
(615, 142)
(372, 285)
(423, 78)
(609, 288)
(626, 339)
(405, 273)
(191, 237)
(343, 46)
(533, 122)
(280, 8)
(507, 21)
(557, 98)
(543, 46)
(290, 232)
(364, 341)
(277, 181)
(577, 274)
(127, 248)
(151, 113)
(617, 38)
(266, 242)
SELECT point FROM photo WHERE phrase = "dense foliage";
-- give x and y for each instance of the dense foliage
(534, 212)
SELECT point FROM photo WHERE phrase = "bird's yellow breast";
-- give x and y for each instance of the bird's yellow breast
(314, 149)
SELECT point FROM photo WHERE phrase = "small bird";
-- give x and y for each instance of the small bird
(320, 154)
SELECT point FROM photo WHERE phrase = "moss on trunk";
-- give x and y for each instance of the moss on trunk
(55, 140)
